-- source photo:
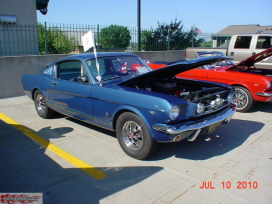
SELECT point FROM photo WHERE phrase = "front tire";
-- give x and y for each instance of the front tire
(41, 107)
(242, 99)
(134, 137)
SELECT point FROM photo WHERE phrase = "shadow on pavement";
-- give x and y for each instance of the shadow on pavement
(261, 107)
(93, 127)
(223, 140)
(26, 168)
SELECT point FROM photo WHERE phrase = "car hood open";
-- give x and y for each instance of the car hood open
(174, 69)
(253, 59)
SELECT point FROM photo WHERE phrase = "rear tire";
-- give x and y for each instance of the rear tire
(41, 107)
(242, 99)
(134, 137)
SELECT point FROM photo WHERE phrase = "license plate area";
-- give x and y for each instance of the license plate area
(213, 127)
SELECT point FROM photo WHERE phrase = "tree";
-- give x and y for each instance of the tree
(203, 43)
(115, 36)
(169, 36)
(146, 40)
(57, 41)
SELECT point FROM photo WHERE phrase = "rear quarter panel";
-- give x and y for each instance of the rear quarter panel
(30, 83)
(197, 73)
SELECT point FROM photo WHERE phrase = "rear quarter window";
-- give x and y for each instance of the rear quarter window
(48, 70)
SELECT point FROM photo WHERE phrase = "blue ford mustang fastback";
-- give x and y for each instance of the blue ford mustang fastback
(119, 92)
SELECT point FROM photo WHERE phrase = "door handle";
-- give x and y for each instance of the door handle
(53, 83)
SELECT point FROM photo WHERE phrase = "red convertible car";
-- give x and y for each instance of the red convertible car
(251, 84)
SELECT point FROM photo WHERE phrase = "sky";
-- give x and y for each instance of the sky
(209, 16)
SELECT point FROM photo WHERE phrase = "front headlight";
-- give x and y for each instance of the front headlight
(174, 112)
(269, 85)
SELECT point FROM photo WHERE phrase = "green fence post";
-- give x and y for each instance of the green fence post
(45, 38)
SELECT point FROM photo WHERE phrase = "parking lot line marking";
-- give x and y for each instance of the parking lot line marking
(91, 171)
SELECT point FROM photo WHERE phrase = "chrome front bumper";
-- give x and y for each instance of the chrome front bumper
(222, 117)
(269, 95)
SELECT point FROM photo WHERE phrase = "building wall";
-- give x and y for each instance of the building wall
(24, 10)
(14, 41)
(12, 68)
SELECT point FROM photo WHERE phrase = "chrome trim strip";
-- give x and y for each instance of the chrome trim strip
(224, 117)
(263, 94)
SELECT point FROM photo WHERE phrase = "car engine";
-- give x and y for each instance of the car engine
(210, 96)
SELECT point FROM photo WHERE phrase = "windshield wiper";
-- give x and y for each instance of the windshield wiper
(113, 77)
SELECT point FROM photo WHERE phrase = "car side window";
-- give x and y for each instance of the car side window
(49, 70)
(264, 42)
(105, 67)
(242, 42)
(70, 70)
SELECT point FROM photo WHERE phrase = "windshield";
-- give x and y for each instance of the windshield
(215, 64)
(116, 67)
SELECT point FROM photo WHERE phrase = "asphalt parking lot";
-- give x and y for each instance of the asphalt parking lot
(73, 162)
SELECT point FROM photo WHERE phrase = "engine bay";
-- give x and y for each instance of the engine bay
(188, 90)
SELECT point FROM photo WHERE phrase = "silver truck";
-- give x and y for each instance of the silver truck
(240, 47)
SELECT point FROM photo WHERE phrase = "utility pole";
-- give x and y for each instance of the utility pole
(139, 23)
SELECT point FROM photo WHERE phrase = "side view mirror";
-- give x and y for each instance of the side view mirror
(82, 79)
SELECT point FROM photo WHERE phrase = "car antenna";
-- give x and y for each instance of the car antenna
(88, 42)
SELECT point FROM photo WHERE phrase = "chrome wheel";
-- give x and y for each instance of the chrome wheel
(40, 103)
(41, 107)
(132, 135)
(242, 99)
